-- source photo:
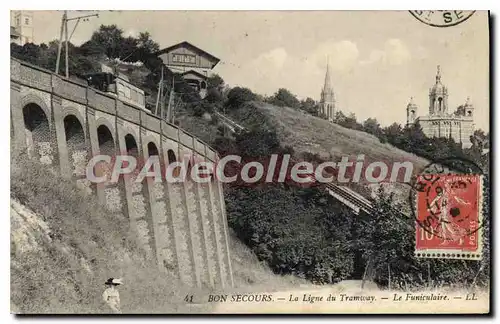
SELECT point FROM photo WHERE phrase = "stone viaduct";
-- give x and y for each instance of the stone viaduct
(63, 123)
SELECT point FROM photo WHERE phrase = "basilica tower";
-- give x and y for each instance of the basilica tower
(458, 125)
(327, 102)
(411, 112)
(438, 97)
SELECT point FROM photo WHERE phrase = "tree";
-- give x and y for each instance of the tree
(238, 96)
(296, 231)
(215, 89)
(309, 106)
(147, 44)
(284, 98)
(349, 121)
(392, 133)
(107, 40)
(215, 81)
(372, 126)
(339, 117)
(479, 151)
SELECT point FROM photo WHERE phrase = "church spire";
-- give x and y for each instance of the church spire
(327, 102)
(438, 74)
(328, 84)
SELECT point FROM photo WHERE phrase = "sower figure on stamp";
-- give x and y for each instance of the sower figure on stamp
(111, 296)
(449, 230)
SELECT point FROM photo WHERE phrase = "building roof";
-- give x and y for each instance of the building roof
(411, 104)
(191, 46)
(438, 87)
(327, 87)
(204, 77)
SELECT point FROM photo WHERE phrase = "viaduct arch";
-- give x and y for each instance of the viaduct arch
(64, 123)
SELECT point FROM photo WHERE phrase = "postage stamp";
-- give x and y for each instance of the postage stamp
(449, 216)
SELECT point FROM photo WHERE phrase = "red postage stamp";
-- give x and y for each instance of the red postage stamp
(449, 218)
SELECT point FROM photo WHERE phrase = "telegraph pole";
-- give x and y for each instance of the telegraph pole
(66, 42)
(171, 100)
(59, 46)
(159, 96)
(64, 28)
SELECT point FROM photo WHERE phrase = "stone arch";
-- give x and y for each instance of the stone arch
(38, 134)
(67, 111)
(152, 149)
(105, 140)
(75, 143)
(107, 147)
(131, 145)
(74, 130)
(151, 140)
(37, 100)
(171, 156)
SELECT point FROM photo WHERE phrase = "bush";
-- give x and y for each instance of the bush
(197, 109)
(296, 231)
(284, 98)
(238, 96)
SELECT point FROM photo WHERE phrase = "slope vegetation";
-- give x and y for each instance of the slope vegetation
(307, 133)
(64, 246)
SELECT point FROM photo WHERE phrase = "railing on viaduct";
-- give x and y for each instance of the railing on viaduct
(63, 123)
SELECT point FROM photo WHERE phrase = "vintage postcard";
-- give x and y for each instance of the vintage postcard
(250, 162)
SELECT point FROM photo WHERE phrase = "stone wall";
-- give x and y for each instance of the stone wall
(64, 123)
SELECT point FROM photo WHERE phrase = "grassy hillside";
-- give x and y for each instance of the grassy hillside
(307, 133)
(64, 246)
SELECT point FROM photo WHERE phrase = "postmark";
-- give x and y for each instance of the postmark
(442, 18)
(447, 205)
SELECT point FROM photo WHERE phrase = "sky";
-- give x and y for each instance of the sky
(378, 59)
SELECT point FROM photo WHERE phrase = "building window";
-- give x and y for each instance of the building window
(184, 58)
(26, 21)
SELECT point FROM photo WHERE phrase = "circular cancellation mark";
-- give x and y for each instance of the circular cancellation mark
(442, 18)
(446, 202)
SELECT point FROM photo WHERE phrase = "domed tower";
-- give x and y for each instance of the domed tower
(468, 108)
(438, 97)
(411, 112)
(327, 102)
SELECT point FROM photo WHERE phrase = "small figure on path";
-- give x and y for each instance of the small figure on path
(111, 296)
